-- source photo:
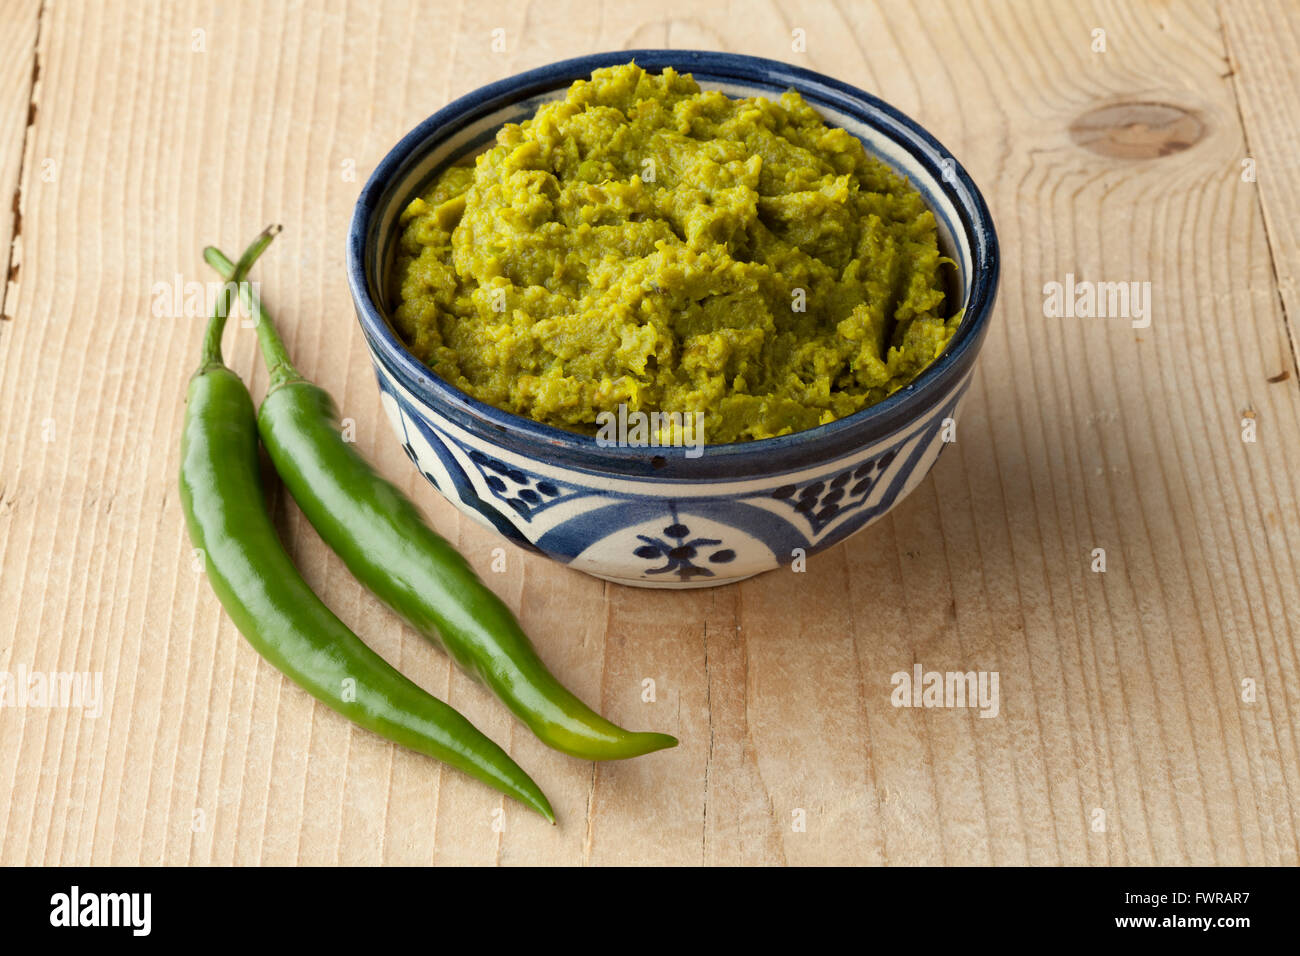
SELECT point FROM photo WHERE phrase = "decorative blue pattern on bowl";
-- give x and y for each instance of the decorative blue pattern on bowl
(652, 516)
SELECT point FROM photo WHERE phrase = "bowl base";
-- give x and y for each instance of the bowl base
(670, 585)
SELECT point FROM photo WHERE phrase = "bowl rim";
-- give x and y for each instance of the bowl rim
(535, 440)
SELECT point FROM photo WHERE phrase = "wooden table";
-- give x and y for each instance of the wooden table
(135, 133)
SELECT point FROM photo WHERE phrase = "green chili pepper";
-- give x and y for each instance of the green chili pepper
(385, 542)
(272, 605)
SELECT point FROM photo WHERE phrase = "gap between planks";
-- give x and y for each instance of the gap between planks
(12, 269)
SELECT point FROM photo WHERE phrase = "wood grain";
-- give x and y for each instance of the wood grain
(172, 125)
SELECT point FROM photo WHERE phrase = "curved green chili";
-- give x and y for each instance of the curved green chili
(275, 609)
(386, 543)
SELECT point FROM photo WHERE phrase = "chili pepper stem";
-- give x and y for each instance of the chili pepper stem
(211, 355)
(276, 356)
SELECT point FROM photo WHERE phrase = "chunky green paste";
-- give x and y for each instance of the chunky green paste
(646, 244)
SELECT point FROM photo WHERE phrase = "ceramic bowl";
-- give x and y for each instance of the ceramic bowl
(653, 516)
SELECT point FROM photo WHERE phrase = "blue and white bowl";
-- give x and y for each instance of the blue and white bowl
(652, 516)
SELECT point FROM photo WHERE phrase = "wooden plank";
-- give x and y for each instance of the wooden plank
(1120, 692)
